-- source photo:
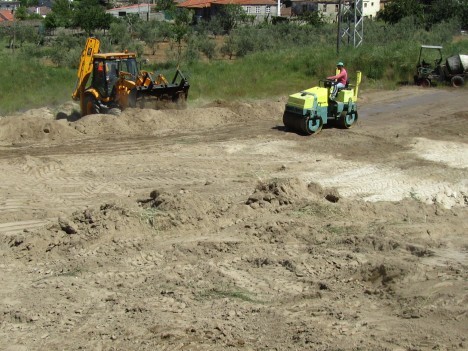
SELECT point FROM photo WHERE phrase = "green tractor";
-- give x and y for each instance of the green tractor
(431, 68)
(308, 111)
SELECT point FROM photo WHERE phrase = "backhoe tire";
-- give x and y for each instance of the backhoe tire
(132, 98)
(90, 105)
(457, 81)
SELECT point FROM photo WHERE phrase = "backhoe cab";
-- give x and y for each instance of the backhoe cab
(117, 83)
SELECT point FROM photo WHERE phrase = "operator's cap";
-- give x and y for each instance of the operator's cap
(340, 64)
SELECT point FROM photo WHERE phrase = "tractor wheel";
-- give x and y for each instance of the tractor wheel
(347, 120)
(91, 105)
(312, 125)
(425, 83)
(457, 81)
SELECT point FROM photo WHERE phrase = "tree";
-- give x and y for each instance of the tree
(119, 33)
(66, 50)
(429, 12)
(463, 13)
(442, 10)
(230, 16)
(60, 16)
(395, 10)
(165, 5)
(27, 33)
(132, 20)
(151, 33)
(314, 18)
(181, 27)
(89, 15)
(21, 14)
(230, 46)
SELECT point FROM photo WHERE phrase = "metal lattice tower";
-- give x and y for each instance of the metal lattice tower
(350, 23)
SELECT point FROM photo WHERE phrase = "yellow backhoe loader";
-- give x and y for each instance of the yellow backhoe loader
(116, 82)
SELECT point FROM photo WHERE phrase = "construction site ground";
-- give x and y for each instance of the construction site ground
(214, 228)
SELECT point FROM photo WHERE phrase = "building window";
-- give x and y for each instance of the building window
(372, 4)
(336, 8)
(257, 9)
(248, 9)
(324, 8)
(268, 9)
(365, 4)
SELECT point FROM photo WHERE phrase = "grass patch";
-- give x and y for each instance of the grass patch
(28, 83)
(317, 210)
(149, 216)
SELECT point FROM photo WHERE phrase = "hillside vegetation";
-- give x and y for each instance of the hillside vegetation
(247, 62)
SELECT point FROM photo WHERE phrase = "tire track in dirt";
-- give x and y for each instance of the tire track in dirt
(20, 226)
(58, 178)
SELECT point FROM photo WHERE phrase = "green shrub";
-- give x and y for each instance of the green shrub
(267, 60)
(45, 85)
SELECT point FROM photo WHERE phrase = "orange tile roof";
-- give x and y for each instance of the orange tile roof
(208, 3)
(6, 15)
(195, 3)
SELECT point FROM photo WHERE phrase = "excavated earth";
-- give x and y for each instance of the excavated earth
(214, 228)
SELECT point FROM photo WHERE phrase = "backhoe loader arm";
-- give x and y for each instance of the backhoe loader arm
(86, 66)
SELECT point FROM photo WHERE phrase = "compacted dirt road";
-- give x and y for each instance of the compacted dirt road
(214, 228)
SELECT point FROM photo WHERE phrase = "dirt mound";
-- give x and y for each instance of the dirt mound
(147, 121)
(80, 231)
(37, 126)
(47, 125)
(165, 209)
(277, 193)
(251, 110)
(282, 192)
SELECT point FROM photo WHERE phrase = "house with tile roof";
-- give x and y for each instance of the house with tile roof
(259, 9)
(142, 10)
(42, 11)
(329, 8)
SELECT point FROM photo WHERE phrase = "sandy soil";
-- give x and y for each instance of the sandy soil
(214, 228)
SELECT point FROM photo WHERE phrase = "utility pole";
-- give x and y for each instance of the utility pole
(338, 37)
(350, 23)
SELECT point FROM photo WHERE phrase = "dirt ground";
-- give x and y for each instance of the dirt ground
(214, 228)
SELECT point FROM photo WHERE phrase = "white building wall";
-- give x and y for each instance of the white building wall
(330, 9)
(370, 8)
(261, 11)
